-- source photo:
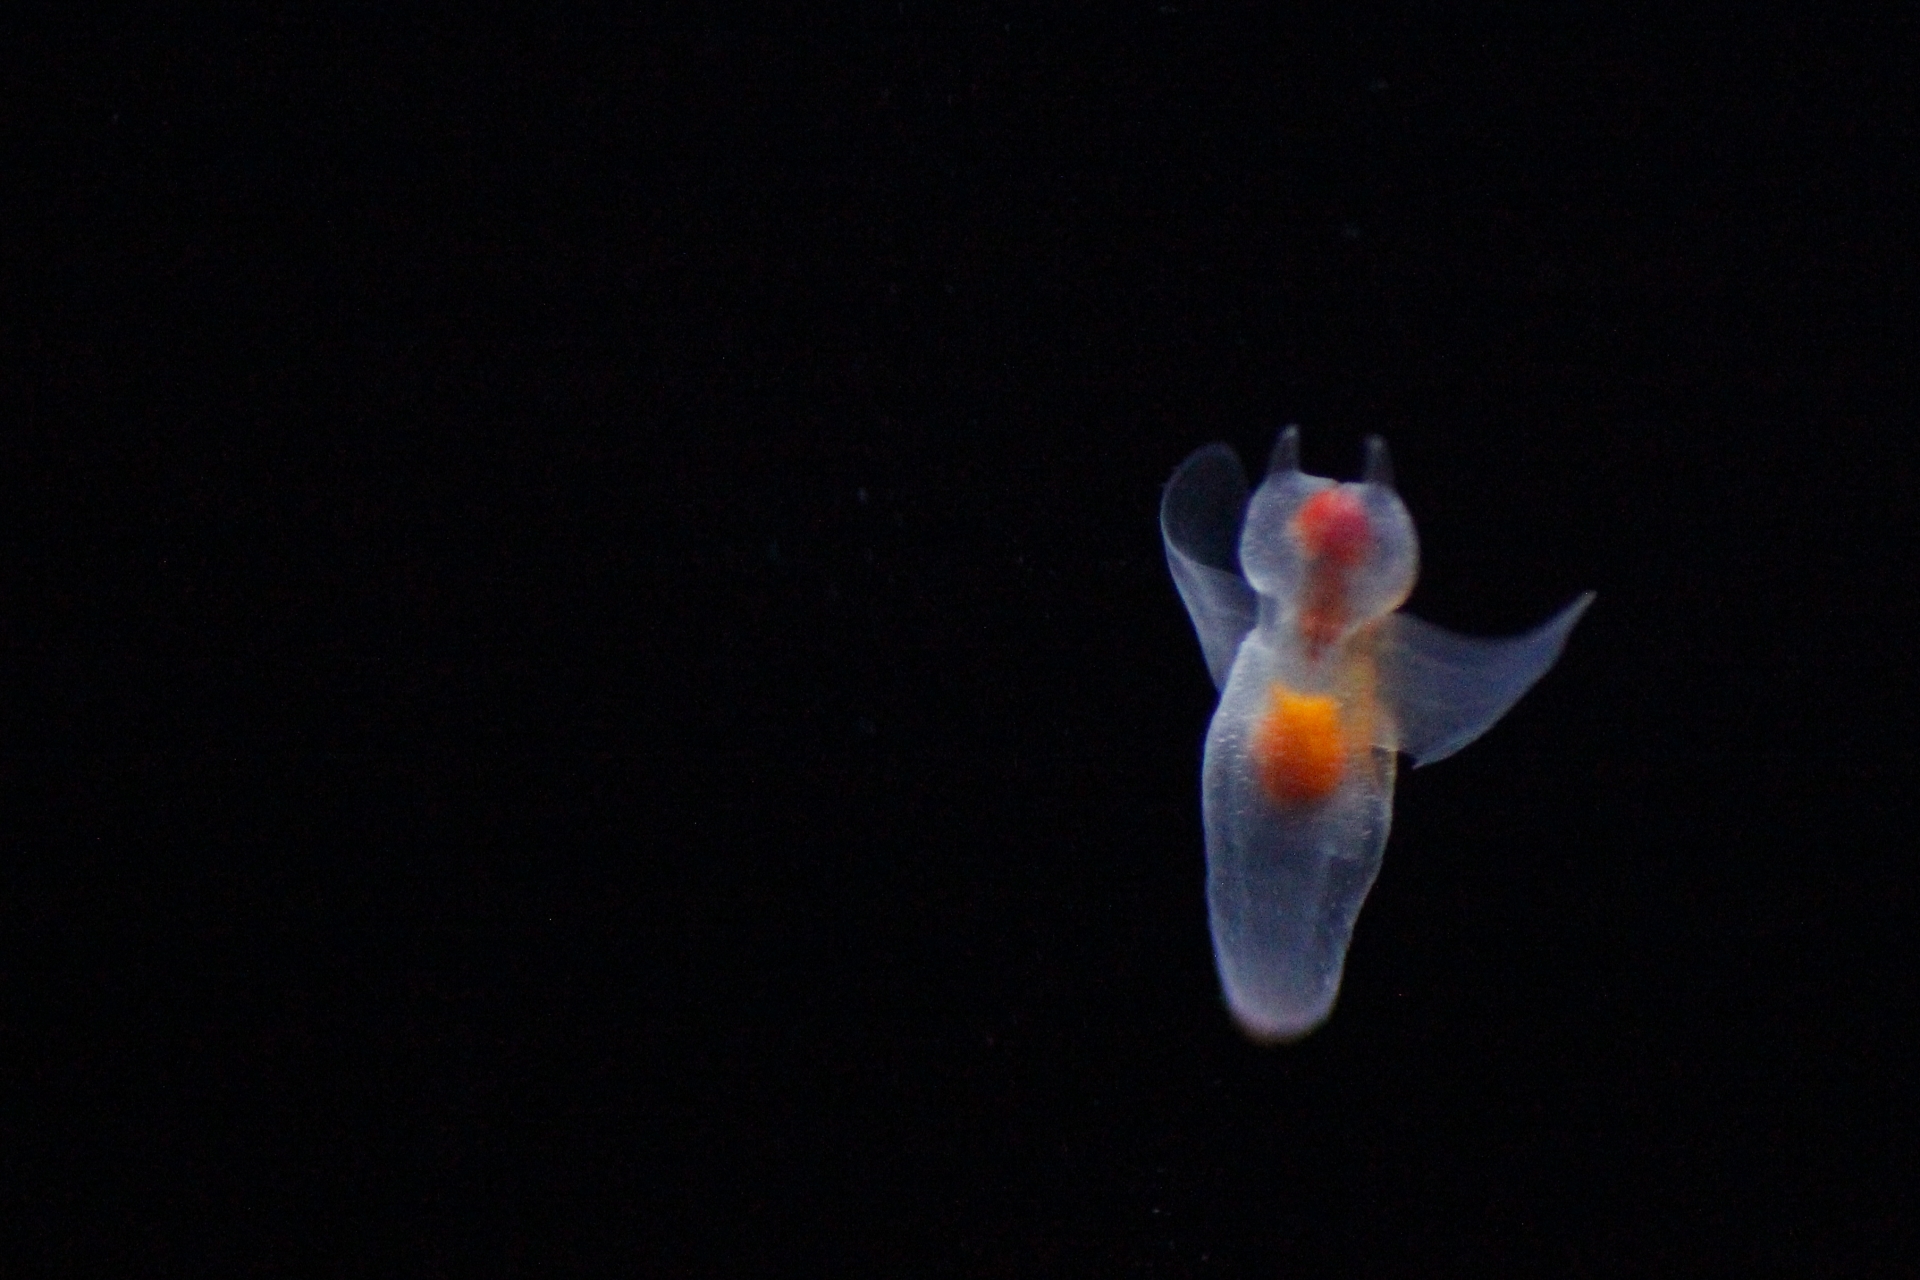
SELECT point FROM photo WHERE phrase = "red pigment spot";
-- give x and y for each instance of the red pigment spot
(1333, 531)
(1333, 524)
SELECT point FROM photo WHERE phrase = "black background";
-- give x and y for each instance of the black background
(589, 684)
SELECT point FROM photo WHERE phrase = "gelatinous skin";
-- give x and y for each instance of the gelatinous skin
(1293, 594)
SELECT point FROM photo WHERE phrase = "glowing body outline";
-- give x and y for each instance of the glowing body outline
(1293, 593)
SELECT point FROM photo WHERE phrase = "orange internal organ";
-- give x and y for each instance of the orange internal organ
(1299, 745)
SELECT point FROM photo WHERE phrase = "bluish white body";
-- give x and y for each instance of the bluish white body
(1293, 594)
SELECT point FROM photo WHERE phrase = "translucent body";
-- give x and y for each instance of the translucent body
(1293, 594)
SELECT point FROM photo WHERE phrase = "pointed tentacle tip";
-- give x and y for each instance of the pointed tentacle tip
(1286, 451)
(1379, 466)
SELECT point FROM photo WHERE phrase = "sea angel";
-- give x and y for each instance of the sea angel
(1293, 595)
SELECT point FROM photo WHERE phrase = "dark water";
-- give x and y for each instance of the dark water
(587, 683)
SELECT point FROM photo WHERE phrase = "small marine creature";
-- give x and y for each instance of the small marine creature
(1321, 682)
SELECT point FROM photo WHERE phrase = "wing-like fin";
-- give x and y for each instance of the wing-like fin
(1446, 690)
(1200, 516)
